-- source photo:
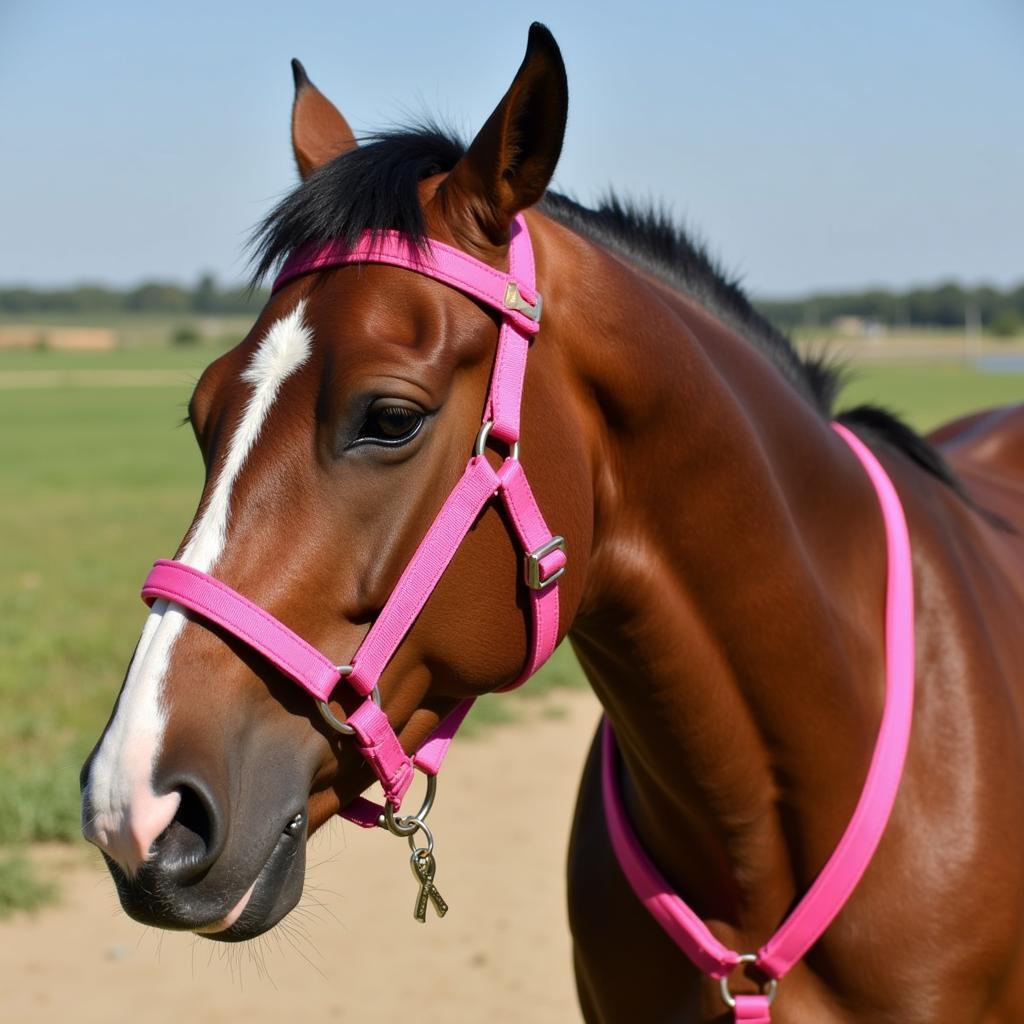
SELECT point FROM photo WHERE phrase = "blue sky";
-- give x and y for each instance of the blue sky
(813, 144)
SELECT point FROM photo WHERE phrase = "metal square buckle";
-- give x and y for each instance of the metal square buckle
(533, 566)
(514, 300)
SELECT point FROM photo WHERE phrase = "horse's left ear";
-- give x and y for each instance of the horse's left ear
(319, 132)
(510, 163)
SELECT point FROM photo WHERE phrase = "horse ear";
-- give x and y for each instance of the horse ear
(510, 163)
(319, 132)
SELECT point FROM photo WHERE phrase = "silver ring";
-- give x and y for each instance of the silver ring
(481, 442)
(422, 850)
(328, 715)
(770, 989)
(410, 824)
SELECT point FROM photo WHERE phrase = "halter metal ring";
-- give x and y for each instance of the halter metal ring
(424, 851)
(770, 989)
(410, 824)
(481, 441)
(328, 715)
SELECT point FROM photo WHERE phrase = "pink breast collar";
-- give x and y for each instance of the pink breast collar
(840, 875)
(515, 298)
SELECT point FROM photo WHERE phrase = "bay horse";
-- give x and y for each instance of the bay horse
(722, 571)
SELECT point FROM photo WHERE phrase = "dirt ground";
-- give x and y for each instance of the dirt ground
(351, 951)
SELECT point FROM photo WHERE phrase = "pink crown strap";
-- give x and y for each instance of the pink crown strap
(436, 260)
(506, 391)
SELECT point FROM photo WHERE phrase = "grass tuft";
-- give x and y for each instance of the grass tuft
(20, 888)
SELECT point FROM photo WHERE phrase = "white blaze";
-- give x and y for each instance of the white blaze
(127, 814)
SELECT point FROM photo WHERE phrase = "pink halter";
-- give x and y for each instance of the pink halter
(840, 875)
(514, 296)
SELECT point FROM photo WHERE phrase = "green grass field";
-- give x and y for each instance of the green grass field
(928, 394)
(97, 482)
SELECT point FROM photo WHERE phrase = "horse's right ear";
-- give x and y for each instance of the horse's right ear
(319, 132)
(509, 164)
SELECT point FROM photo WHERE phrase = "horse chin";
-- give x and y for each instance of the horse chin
(154, 897)
(273, 895)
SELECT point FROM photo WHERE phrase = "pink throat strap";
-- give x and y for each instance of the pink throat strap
(515, 297)
(840, 875)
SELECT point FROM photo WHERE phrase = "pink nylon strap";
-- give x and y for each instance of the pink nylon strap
(478, 484)
(461, 271)
(217, 602)
(366, 813)
(476, 487)
(436, 260)
(510, 359)
(514, 296)
(752, 1010)
(844, 869)
(533, 533)
(381, 748)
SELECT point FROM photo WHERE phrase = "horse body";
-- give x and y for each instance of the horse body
(725, 596)
(736, 643)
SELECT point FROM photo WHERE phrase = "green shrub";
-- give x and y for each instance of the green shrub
(1006, 323)
(186, 334)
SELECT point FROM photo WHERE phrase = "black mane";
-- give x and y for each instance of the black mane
(374, 188)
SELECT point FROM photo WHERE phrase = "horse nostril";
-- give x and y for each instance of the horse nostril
(192, 841)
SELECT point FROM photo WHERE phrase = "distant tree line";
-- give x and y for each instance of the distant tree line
(945, 305)
(206, 298)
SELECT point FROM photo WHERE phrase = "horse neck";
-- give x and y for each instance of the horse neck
(731, 623)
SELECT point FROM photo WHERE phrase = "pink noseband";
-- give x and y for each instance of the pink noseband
(515, 298)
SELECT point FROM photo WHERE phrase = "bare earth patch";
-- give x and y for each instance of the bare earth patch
(352, 952)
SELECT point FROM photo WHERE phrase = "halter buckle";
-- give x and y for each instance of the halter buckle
(514, 300)
(533, 568)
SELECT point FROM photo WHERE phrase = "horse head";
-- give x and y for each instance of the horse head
(331, 436)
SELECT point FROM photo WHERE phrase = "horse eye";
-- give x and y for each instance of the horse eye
(389, 424)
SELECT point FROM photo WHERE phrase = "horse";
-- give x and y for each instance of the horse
(721, 564)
